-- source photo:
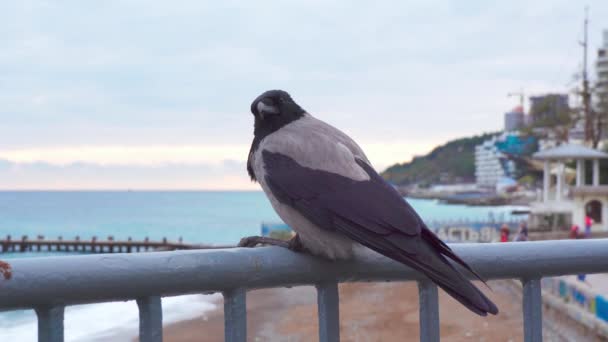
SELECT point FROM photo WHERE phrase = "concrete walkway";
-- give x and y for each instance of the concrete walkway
(596, 282)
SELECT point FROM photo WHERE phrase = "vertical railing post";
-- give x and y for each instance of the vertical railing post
(235, 315)
(50, 323)
(533, 310)
(429, 311)
(150, 319)
(328, 303)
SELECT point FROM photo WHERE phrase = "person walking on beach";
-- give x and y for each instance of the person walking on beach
(522, 233)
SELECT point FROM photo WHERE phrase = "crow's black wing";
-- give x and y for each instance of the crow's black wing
(372, 213)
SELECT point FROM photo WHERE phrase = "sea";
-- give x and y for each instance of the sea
(197, 217)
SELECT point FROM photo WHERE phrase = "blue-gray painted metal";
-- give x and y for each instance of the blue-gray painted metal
(329, 312)
(79, 279)
(533, 310)
(150, 319)
(50, 283)
(50, 323)
(235, 315)
(429, 311)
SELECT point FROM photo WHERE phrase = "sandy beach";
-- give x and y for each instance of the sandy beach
(369, 312)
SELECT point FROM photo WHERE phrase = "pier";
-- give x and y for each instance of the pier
(94, 245)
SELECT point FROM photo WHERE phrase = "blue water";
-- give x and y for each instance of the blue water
(197, 217)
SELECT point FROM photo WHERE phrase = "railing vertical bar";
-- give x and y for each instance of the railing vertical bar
(150, 319)
(235, 315)
(429, 311)
(328, 303)
(50, 323)
(533, 310)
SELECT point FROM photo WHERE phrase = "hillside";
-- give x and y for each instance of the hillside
(449, 163)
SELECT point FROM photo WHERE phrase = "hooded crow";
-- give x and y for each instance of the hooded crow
(321, 184)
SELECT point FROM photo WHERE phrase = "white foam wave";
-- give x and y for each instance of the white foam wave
(104, 321)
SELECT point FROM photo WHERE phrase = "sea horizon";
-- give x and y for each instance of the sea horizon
(130, 190)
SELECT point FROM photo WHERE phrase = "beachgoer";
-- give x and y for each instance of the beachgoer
(522, 233)
(588, 224)
(504, 233)
(574, 234)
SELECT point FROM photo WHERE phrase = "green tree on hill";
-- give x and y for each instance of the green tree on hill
(452, 162)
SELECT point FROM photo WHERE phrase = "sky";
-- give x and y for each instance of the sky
(155, 95)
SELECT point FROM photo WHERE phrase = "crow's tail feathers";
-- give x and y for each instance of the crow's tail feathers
(435, 266)
(427, 254)
(445, 250)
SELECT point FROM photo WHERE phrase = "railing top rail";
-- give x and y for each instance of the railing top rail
(97, 278)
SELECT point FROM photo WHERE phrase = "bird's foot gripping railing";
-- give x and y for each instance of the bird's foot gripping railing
(50, 284)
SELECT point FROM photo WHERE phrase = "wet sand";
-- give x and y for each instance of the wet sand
(368, 312)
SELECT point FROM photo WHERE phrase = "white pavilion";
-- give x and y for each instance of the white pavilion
(563, 204)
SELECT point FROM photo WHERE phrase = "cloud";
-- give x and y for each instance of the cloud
(229, 175)
(135, 78)
(230, 157)
(153, 167)
(128, 155)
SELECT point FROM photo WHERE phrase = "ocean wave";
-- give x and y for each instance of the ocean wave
(105, 321)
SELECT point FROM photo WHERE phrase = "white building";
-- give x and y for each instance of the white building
(601, 67)
(561, 204)
(491, 165)
(601, 83)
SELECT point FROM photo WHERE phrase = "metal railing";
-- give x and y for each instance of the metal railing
(51, 283)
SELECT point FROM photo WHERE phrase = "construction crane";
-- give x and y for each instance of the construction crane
(590, 132)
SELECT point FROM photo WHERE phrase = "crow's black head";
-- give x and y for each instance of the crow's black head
(273, 110)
